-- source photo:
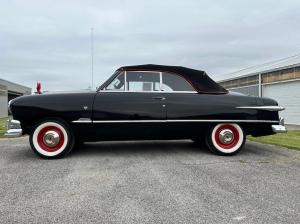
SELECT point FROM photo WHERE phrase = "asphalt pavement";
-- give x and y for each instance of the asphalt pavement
(149, 182)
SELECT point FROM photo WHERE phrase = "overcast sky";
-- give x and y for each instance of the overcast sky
(49, 41)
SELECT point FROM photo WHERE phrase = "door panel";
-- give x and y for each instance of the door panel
(127, 115)
(185, 106)
(128, 106)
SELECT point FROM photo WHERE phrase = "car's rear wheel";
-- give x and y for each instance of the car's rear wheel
(226, 139)
(52, 139)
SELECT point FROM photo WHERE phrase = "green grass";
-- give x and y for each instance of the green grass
(2, 126)
(290, 140)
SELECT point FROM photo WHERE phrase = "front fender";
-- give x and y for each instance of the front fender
(69, 106)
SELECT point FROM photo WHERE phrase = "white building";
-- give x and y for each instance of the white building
(8, 91)
(279, 80)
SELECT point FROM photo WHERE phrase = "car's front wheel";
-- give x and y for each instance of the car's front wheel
(51, 139)
(226, 139)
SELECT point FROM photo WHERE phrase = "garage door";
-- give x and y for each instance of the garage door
(288, 95)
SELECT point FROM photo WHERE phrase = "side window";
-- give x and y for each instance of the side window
(143, 81)
(118, 84)
(173, 82)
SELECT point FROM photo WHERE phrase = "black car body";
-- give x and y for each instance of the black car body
(147, 102)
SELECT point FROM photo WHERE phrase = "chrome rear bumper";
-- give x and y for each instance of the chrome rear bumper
(13, 129)
(279, 128)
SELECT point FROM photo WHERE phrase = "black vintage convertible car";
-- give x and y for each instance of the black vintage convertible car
(145, 102)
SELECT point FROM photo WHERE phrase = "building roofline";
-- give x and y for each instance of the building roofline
(13, 83)
(263, 71)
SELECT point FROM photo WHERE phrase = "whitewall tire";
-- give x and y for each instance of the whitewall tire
(51, 139)
(226, 139)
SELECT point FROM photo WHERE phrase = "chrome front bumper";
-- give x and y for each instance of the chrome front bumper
(279, 128)
(13, 129)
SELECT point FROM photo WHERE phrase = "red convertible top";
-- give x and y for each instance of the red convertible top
(199, 79)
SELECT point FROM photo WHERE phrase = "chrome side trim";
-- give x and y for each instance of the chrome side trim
(156, 121)
(269, 108)
(83, 120)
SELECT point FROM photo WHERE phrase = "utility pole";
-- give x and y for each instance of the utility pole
(92, 56)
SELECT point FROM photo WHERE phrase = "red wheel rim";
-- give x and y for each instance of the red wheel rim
(235, 136)
(41, 135)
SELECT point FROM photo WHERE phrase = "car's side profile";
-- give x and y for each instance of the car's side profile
(145, 102)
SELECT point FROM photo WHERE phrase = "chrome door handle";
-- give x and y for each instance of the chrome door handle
(159, 98)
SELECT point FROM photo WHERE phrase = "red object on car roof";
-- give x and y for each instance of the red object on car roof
(38, 88)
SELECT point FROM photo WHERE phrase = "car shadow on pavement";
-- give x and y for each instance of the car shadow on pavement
(139, 147)
(145, 148)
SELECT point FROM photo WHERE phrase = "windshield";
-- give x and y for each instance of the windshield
(109, 80)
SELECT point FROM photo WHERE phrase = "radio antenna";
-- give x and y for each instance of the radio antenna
(92, 56)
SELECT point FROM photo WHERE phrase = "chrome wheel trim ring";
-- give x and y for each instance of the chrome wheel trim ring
(51, 138)
(226, 136)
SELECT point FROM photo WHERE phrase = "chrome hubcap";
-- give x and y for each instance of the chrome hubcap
(226, 136)
(51, 138)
